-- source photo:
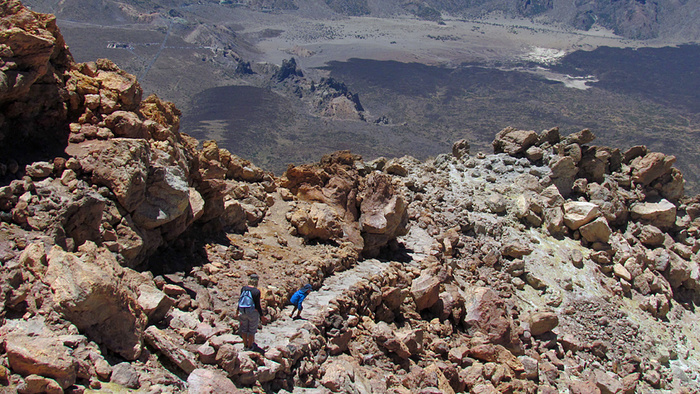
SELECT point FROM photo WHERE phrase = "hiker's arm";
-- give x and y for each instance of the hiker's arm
(256, 300)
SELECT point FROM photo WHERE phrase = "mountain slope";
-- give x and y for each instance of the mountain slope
(552, 265)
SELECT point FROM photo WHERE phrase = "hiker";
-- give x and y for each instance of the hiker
(298, 298)
(249, 312)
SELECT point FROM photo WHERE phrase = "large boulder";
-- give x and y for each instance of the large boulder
(647, 168)
(384, 214)
(317, 221)
(90, 290)
(44, 356)
(564, 172)
(513, 141)
(661, 214)
(596, 231)
(579, 213)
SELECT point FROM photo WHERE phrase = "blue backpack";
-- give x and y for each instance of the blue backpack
(246, 299)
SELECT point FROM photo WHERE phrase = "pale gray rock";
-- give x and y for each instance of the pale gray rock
(596, 231)
(39, 169)
(577, 213)
(661, 214)
(125, 374)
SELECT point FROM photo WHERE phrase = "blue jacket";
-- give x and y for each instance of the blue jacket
(298, 297)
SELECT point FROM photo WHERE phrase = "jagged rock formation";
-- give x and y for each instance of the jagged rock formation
(550, 266)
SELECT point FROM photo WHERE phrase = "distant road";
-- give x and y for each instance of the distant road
(160, 50)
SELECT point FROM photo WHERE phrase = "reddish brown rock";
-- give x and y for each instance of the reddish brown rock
(647, 168)
(41, 356)
(425, 291)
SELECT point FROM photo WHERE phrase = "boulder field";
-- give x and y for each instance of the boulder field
(549, 266)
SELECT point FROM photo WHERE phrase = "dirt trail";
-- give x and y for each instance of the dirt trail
(282, 330)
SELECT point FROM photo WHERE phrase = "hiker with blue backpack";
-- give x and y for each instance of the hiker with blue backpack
(298, 298)
(249, 312)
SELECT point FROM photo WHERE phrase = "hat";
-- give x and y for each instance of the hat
(253, 278)
(307, 287)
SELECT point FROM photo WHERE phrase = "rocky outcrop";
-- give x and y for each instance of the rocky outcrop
(339, 204)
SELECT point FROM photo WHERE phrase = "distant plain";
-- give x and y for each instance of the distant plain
(436, 83)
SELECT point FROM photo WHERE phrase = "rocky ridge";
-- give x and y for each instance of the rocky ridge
(549, 266)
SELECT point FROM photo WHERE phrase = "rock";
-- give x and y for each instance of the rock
(550, 136)
(386, 338)
(608, 383)
(513, 141)
(393, 297)
(120, 164)
(678, 270)
(227, 359)
(383, 214)
(530, 367)
(40, 384)
(487, 388)
(484, 314)
(206, 353)
(460, 148)
(91, 292)
(395, 168)
(673, 185)
(583, 387)
(564, 172)
(339, 377)
(582, 137)
(125, 375)
(496, 353)
(425, 291)
(554, 221)
(43, 356)
(534, 153)
(621, 272)
(651, 236)
(433, 374)
(126, 124)
(542, 322)
(39, 169)
(516, 249)
(103, 370)
(661, 214)
(317, 221)
(33, 258)
(161, 341)
(629, 383)
(343, 108)
(458, 355)
(647, 168)
(205, 381)
(596, 231)
(577, 214)
(154, 302)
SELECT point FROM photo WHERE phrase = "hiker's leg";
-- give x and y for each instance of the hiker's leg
(293, 310)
